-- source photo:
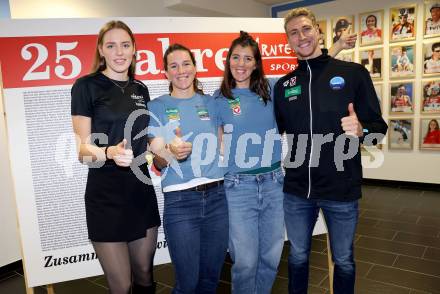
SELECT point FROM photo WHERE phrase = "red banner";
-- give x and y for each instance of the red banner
(60, 60)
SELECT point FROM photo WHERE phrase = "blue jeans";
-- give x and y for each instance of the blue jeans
(341, 218)
(196, 229)
(256, 229)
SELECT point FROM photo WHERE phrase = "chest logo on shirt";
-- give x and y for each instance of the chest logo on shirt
(202, 112)
(138, 100)
(292, 93)
(173, 114)
(290, 83)
(235, 105)
(337, 83)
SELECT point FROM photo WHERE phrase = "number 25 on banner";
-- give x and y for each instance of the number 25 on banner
(42, 55)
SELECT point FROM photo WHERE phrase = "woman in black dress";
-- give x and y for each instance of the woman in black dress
(121, 210)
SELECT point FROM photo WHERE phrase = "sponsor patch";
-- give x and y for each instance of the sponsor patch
(292, 81)
(337, 83)
(138, 100)
(173, 114)
(202, 112)
(294, 91)
(235, 105)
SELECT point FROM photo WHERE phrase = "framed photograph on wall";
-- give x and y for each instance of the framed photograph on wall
(346, 55)
(371, 27)
(431, 58)
(341, 24)
(430, 133)
(431, 96)
(432, 18)
(372, 60)
(322, 27)
(401, 98)
(400, 133)
(402, 61)
(402, 23)
(378, 88)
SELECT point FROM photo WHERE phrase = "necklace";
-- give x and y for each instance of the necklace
(121, 87)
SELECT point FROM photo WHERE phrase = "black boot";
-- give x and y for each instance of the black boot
(139, 289)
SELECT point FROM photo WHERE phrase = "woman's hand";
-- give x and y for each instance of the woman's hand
(178, 147)
(120, 154)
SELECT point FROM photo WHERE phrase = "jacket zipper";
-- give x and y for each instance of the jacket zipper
(311, 128)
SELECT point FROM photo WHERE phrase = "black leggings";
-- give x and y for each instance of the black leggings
(121, 260)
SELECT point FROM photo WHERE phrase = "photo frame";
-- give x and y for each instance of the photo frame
(430, 133)
(431, 97)
(402, 98)
(340, 24)
(378, 88)
(400, 133)
(322, 27)
(402, 61)
(372, 60)
(403, 23)
(431, 19)
(431, 58)
(346, 55)
(371, 28)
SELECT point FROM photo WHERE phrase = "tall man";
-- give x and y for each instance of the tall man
(334, 103)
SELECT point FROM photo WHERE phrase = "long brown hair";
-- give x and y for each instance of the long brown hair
(179, 47)
(258, 82)
(99, 61)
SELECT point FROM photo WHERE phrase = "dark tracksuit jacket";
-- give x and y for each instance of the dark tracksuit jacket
(312, 100)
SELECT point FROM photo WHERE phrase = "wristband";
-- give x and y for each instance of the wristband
(105, 151)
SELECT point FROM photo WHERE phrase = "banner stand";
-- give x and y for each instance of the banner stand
(28, 290)
(331, 265)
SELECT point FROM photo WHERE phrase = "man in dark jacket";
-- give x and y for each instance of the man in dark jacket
(326, 107)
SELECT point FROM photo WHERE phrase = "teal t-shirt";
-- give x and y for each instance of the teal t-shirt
(251, 139)
(198, 122)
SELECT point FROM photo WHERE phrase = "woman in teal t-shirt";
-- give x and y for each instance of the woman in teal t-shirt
(252, 153)
(183, 133)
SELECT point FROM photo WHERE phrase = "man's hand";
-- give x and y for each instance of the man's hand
(347, 39)
(350, 124)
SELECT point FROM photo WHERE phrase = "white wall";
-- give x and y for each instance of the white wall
(115, 8)
(409, 165)
(9, 246)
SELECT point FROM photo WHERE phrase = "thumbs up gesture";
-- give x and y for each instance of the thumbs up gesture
(121, 154)
(178, 147)
(350, 124)
(347, 39)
